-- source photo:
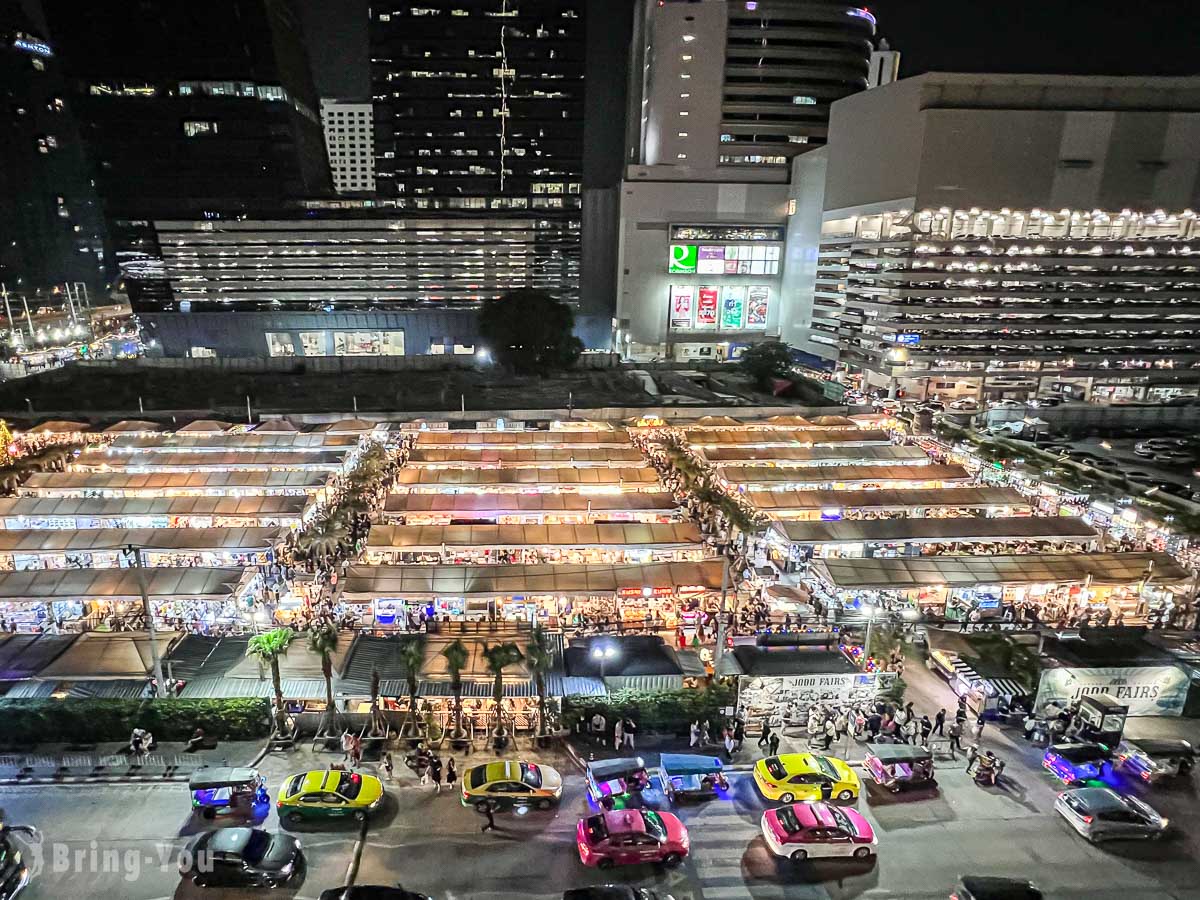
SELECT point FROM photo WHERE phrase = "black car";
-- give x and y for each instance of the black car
(14, 873)
(614, 892)
(242, 856)
(371, 892)
(983, 887)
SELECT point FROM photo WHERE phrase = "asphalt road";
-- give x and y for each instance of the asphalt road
(129, 836)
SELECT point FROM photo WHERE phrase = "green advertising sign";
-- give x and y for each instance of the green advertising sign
(683, 258)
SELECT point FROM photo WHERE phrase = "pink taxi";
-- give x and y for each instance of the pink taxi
(804, 830)
(629, 836)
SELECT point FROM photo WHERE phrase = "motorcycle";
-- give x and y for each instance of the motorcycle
(989, 770)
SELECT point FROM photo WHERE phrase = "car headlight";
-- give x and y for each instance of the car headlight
(287, 870)
(1163, 823)
(376, 804)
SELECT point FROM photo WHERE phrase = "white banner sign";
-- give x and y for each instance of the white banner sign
(785, 698)
(1148, 691)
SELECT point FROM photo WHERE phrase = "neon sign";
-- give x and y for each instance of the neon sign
(862, 14)
(31, 46)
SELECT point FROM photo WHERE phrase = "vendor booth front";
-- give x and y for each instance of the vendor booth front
(812, 478)
(177, 484)
(1125, 585)
(66, 513)
(801, 457)
(529, 509)
(102, 599)
(512, 481)
(853, 505)
(554, 595)
(616, 544)
(784, 437)
(188, 461)
(792, 542)
(110, 548)
(525, 457)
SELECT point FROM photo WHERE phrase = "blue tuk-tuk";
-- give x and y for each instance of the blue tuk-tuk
(220, 790)
(691, 776)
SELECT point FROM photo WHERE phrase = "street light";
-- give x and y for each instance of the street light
(603, 654)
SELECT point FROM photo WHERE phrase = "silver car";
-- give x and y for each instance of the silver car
(1100, 814)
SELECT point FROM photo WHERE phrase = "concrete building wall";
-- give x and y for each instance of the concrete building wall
(350, 142)
(800, 256)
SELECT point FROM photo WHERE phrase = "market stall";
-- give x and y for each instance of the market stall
(1128, 585)
(761, 478)
(610, 543)
(173, 484)
(105, 548)
(791, 541)
(783, 457)
(553, 594)
(552, 481)
(936, 503)
(531, 509)
(541, 457)
(66, 513)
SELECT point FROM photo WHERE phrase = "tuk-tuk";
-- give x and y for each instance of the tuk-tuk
(220, 790)
(896, 766)
(1153, 760)
(610, 781)
(691, 776)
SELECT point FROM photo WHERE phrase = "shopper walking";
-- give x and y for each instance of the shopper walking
(694, 733)
(764, 737)
(956, 731)
(435, 772)
(387, 763)
(774, 743)
(451, 773)
(830, 733)
(618, 734)
(977, 731)
(939, 723)
(926, 730)
(972, 757)
(628, 729)
(908, 712)
(489, 810)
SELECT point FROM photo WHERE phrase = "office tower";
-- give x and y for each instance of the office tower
(51, 230)
(995, 236)
(350, 143)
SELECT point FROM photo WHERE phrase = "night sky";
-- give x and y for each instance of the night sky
(1085, 37)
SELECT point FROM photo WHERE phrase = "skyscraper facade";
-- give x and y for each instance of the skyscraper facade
(350, 143)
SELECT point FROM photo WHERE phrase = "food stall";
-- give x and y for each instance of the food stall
(610, 543)
(104, 548)
(761, 478)
(916, 503)
(66, 513)
(173, 484)
(986, 697)
(551, 594)
(529, 509)
(795, 457)
(552, 481)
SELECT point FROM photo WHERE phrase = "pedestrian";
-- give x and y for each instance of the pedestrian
(694, 733)
(764, 736)
(618, 734)
(961, 713)
(739, 733)
(977, 731)
(908, 712)
(730, 744)
(926, 730)
(774, 743)
(451, 773)
(387, 763)
(972, 757)
(705, 733)
(830, 733)
(629, 729)
(598, 727)
(435, 772)
(908, 732)
(347, 744)
(488, 808)
(956, 731)
(939, 723)
(356, 752)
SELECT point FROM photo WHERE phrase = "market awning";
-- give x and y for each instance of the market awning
(886, 499)
(49, 483)
(526, 456)
(224, 688)
(590, 476)
(901, 573)
(168, 507)
(95, 656)
(347, 426)
(368, 582)
(589, 438)
(417, 538)
(24, 655)
(205, 426)
(175, 460)
(882, 454)
(192, 582)
(490, 505)
(769, 437)
(236, 440)
(749, 475)
(929, 531)
(276, 426)
(46, 541)
(133, 426)
(59, 426)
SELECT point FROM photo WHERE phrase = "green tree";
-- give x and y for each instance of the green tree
(269, 647)
(457, 656)
(323, 641)
(530, 332)
(499, 657)
(767, 360)
(540, 653)
(411, 654)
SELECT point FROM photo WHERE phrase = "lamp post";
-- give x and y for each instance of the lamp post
(134, 555)
(870, 614)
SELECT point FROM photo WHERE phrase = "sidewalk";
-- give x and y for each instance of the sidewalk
(111, 763)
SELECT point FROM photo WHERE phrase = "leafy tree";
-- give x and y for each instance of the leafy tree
(499, 657)
(770, 359)
(269, 647)
(530, 331)
(457, 656)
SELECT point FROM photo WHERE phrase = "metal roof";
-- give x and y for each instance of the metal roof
(87, 584)
(23, 655)
(1044, 528)
(624, 534)
(842, 474)
(494, 439)
(903, 573)
(212, 688)
(489, 505)
(783, 437)
(515, 580)
(884, 453)
(593, 475)
(893, 498)
(235, 441)
(116, 507)
(46, 482)
(59, 426)
(101, 656)
(525, 456)
(44, 540)
(194, 461)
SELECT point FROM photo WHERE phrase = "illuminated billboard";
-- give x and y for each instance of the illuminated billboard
(681, 305)
(724, 308)
(724, 259)
(683, 259)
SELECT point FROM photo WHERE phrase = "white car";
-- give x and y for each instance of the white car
(889, 404)
(1006, 404)
(1101, 814)
(964, 404)
(1169, 458)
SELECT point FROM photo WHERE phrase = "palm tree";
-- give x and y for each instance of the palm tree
(323, 641)
(457, 656)
(269, 647)
(379, 722)
(540, 653)
(499, 657)
(411, 655)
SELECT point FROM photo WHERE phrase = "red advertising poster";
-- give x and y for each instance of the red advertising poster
(681, 305)
(756, 306)
(706, 308)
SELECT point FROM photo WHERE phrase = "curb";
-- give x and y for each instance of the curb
(45, 780)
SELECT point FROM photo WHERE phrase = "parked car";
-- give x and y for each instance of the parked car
(249, 857)
(1006, 404)
(631, 836)
(804, 830)
(986, 887)
(614, 892)
(1153, 760)
(1074, 762)
(964, 404)
(1101, 814)
(14, 871)
(932, 406)
(371, 892)
(1045, 402)
(1171, 458)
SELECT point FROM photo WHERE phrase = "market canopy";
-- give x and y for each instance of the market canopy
(842, 474)
(205, 426)
(178, 460)
(932, 531)
(589, 438)
(595, 475)
(883, 454)
(133, 426)
(508, 581)
(525, 456)
(886, 499)
(785, 422)
(786, 437)
(98, 656)
(168, 507)
(51, 483)
(276, 426)
(238, 440)
(193, 582)
(45, 541)
(716, 422)
(633, 535)
(59, 426)
(491, 505)
(833, 422)
(901, 573)
(347, 426)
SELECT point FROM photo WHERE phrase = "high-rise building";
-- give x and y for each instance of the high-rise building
(51, 228)
(993, 236)
(350, 143)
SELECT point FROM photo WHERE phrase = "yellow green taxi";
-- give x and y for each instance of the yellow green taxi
(329, 793)
(509, 783)
(805, 776)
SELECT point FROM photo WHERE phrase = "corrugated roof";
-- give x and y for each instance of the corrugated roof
(59, 426)
(88, 584)
(24, 655)
(47, 483)
(901, 498)
(525, 456)
(623, 534)
(238, 440)
(965, 571)
(934, 530)
(490, 505)
(722, 456)
(515, 580)
(590, 438)
(171, 460)
(99, 656)
(818, 475)
(44, 540)
(594, 475)
(133, 426)
(784, 437)
(115, 507)
(221, 688)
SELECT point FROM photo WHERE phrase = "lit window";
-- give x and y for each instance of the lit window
(681, 156)
(683, 134)
(797, 139)
(684, 96)
(683, 112)
(804, 101)
(687, 57)
(198, 127)
(726, 138)
(688, 38)
(684, 75)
